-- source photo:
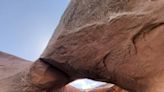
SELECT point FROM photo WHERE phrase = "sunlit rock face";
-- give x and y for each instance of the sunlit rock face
(115, 41)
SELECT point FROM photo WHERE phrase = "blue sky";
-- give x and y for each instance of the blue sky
(27, 25)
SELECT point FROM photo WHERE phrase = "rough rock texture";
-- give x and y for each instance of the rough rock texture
(11, 73)
(116, 41)
(14, 78)
(107, 88)
(67, 88)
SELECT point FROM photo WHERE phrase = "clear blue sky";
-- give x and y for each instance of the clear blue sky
(27, 25)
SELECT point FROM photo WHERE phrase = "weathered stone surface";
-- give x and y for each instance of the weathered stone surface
(15, 75)
(116, 41)
(11, 65)
(67, 88)
(11, 69)
(107, 88)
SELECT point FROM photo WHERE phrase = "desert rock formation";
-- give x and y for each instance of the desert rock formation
(11, 79)
(116, 41)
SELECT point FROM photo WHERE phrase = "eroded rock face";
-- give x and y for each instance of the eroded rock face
(116, 41)
(15, 75)
(11, 70)
(107, 88)
(67, 88)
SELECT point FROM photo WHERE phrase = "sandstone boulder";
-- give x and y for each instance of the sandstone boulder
(116, 41)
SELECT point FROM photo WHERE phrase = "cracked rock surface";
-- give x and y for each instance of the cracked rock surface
(14, 77)
(116, 41)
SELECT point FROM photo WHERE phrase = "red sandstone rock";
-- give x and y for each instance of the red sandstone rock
(116, 41)
(67, 88)
(14, 76)
(13, 80)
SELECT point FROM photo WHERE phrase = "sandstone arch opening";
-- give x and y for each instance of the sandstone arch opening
(87, 84)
